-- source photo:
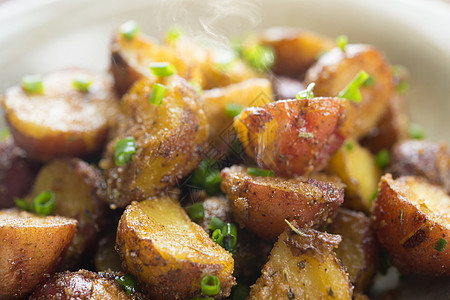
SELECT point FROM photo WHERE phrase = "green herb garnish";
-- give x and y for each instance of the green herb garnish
(210, 285)
(130, 29)
(162, 69)
(440, 245)
(416, 131)
(342, 42)
(157, 95)
(233, 109)
(196, 211)
(43, 204)
(128, 283)
(82, 83)
(382, 158)
(351, 91)
(308, 93)
(32, 84)
(260, 58)
(124, 150)
(260, 172)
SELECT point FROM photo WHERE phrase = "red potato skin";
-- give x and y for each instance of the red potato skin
(407, 233)
(272, 134)
(261, 204)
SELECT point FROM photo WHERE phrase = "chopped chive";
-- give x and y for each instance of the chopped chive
(128, 283)
(207, 177)
(440, 245)
(369, 82)
(212, 183)
(162, 69)
(351, 91)
(124, 150)
(4, 134)
(82, 83)
(349, 145)
(44, 203)
(210, 285)
(260, 172)
(130, 29)
(233, 109)
(217, 236)
(308, 93)
(240, 292)
(32, 84)
(229, 237)
(196, 211)
(216, 223)
(173, 34)
(342, 42)
(416, 131)
(157, 95)
(23, 204)
(382, 158)
(260, 58)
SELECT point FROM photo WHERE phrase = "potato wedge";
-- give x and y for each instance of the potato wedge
(79, 190)
(302, 265)
(422, 158)
(169, 253)
(261, 204)
(335, 69)
(62, 121)
(295, 49)
(411, 219)
(83, 284)
(17, 173)
(32, 247)
(293, 137)
(170, 139)
(356, 167)
(359, 249)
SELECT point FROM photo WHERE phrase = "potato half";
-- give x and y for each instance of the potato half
(32, 247)
(261, 204)
(411, 218)
(302, 265)
(164, 249)
(62, 121)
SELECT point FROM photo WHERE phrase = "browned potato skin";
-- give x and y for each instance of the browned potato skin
(83, 284)
(422, 158)
(335, 69)
(303, 266)
(408, 227)
(32, 247)
(169, 253)
(79, 190)
(295, 49)
(63, 121)
(17, 173)
(359, 249)
(390, 129)
(170, 140)
(261, 204)
(293, 137)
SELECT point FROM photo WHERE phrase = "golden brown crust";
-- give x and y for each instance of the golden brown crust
(63, 121)
(261, 204)
(409, 217)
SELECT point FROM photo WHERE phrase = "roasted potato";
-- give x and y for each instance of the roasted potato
(285, 87)
(295, 49)
(170, 139)
(32, 247)
(83, 284)
(411, 218)
(254, 92)
(17, 173)
(293, 137)
(261, 204)
(390, 129)
(356, 167)
(422, 158)
(79, 190)
(335, 69)
(302, 265)
(169, 253)
(62, 121)
(359, 249)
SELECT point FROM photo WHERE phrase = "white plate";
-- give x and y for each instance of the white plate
(41, 36)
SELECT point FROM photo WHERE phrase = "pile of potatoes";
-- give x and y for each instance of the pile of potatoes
(318, 186)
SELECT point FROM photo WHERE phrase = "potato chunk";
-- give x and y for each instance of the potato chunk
(79, 193)
(261, 204)
(293, 137)
(335, 69)
(359, 248)
(62, 121)
(411, 218)
(356, 167)
(170, 139)
(302, 265)
(164, 249)
(32, 247)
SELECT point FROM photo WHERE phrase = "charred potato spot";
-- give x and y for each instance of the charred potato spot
(261, 204)
(63, 121)
(410, 216)
(170, 139)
